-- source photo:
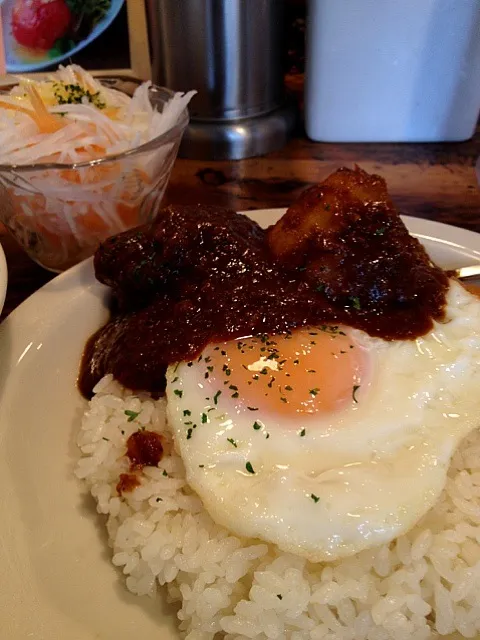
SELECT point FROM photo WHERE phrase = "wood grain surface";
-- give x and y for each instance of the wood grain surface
(435, 181)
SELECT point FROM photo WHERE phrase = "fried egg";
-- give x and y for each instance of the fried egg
(326, 441)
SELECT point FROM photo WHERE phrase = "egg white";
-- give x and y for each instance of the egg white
(334, 485)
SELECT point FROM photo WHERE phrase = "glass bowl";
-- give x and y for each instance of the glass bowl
(59, 213)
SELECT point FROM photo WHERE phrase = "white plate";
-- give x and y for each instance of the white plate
(15, 64)
(56, 578)
(3, 278)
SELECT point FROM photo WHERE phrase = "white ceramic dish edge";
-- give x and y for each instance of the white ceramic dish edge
(3, 278)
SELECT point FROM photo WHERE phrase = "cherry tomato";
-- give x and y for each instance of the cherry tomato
(37, 24)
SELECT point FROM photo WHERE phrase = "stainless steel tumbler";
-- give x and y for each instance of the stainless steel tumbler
(230, 51)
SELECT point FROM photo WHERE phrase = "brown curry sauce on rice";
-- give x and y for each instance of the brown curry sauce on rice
(144, 449)
(202, 274)
(339, 255)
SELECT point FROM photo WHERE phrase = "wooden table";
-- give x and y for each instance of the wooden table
(435, 181)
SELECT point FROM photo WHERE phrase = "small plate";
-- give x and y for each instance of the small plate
(16, 64)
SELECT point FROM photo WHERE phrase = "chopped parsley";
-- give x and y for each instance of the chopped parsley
(279, 596)
(257, 426)
(131, 415)
(178, 392)
(355, 302)
(204, 418)
(232, 442)
(187, 412)
(215, 397)
(249, 467)
(189, 433)
(165, 474)
(314, 498)
(302, 433)
(75, 94)
(314, 392)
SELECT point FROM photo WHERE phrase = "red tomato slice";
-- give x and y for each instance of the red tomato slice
(37, 24)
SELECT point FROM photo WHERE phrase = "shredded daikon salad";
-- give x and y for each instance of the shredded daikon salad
(61, 214)
(71, 117)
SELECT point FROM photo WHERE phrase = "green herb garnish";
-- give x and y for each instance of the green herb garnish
(356, 303)
(75, 94)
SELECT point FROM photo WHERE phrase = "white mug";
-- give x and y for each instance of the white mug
(392, 70)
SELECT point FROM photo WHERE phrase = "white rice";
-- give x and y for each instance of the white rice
(422, 585)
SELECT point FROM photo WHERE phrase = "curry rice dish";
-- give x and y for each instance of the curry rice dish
(283, 423)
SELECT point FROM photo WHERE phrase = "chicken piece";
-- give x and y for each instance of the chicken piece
(348, 239)
(324, 210)
(178, 251)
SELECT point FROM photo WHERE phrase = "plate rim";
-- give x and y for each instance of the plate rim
(3, 277)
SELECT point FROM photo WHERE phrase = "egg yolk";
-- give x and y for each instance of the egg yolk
(304, 371)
